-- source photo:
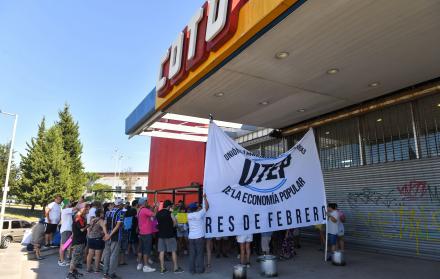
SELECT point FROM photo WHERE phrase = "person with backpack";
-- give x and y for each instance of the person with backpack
(114, 221)
(127, 226)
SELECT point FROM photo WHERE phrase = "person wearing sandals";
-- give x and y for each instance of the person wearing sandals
(79, 232)
(95, 234)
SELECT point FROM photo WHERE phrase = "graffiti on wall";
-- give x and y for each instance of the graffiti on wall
(410, 212)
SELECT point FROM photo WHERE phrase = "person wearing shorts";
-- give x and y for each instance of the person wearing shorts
(332, 226)
(53, 217)
(182, 230)
(66, 231)
(167, 240)
(97, 231)
(245, 248)
(145, 226)
(38, 237)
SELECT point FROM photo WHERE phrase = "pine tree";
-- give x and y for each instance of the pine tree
(73, 149)
(59, 180)
(32, 169)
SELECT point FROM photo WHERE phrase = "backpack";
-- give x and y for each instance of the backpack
(128, 223)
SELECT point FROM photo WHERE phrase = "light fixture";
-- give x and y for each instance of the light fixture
(379, 120)
(374, 84)
(301, 110)
(219, 94)
(281, 55)
(327, 133)
(333, 71)
(264, 103)
(438, 105)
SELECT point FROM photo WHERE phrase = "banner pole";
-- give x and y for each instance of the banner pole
(326, 239)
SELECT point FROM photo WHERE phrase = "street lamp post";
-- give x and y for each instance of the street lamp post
(6, 187)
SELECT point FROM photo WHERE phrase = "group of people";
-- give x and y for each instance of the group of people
(101, 235)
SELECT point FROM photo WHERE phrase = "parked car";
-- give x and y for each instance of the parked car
(13, 230)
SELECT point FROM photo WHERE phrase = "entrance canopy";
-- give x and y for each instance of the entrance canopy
(302, 59)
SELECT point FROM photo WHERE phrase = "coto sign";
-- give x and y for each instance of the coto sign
(212, 25)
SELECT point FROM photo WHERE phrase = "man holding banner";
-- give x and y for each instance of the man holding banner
(250, 194)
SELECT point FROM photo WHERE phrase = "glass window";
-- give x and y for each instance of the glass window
(293, 139)
(6, 225)
(338, 144)
(427, 117)
(26, 225)
(16, 225)
(138, 188)
(273, 148)
(387, 135)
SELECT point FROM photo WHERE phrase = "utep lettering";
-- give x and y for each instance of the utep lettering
(266, 171)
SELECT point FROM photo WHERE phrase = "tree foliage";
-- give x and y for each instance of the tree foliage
(52, 164)
(100, 194)
(13, 175)
(73, 150)
(45, 171)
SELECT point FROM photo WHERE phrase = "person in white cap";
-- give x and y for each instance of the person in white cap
(114, 220)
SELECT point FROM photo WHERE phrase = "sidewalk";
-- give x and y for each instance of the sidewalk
(307, 265)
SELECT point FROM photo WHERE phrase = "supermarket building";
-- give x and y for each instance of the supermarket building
(365, 75)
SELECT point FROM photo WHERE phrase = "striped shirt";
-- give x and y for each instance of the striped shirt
(113, 217)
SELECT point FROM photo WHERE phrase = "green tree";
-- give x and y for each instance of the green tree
(13, 175)
(32, 170)
(45, 171)
(99, 189)
(73, 150)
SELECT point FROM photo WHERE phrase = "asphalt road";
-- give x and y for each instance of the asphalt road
(307, 265)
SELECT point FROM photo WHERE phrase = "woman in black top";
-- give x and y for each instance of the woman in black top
(79, 232)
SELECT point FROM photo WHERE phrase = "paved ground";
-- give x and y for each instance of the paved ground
(308, 264)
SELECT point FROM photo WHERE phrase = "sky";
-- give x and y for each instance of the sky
(101, 57)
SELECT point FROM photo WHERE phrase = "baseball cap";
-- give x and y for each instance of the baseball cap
(167, 203)
(118, 201)
(192, 206)
(142, 201)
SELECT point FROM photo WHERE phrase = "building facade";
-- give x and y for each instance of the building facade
(133, 181)
(365, 75)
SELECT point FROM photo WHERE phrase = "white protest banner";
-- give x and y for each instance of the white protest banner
(248, 194)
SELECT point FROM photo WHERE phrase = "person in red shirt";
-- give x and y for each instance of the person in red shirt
(145, 226)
